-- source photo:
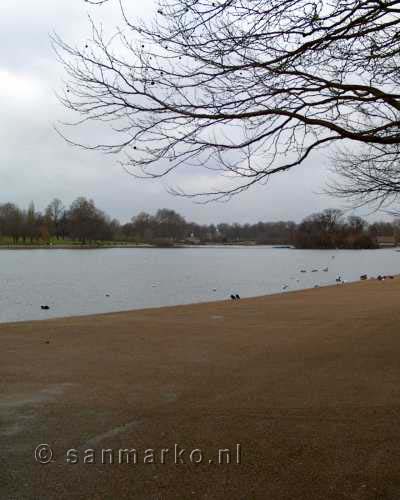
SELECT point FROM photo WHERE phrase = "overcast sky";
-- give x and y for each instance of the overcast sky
(36, 164)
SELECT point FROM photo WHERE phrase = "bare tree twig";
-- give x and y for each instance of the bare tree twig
(246, 89)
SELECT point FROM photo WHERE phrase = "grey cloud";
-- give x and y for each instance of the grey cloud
(36, 164)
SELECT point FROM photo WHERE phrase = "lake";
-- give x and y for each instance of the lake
(75, 282)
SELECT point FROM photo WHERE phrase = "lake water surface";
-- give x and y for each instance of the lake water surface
(75, 282)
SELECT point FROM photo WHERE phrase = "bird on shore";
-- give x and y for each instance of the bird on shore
(237, 296)
(233, 297)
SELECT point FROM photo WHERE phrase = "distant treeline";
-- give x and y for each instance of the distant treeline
(84, 223)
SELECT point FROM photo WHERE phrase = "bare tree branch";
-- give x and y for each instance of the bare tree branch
(244, 88)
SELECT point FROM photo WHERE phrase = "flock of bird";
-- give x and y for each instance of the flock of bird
(236, 296)
(338, 280)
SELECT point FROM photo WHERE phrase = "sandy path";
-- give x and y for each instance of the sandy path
(308, 384)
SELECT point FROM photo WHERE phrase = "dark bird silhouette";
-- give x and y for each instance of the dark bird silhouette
(237, 296)
(233, 297)
(45, 308)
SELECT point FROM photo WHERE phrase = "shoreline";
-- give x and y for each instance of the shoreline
(138, 246)
(307, 382)
(182, 246)
(70, 247)
(194, 304)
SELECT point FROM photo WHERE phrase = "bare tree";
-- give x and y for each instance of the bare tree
(245, 88)
(370, 176)
(85, 220)
(11, 221)
(54, 215)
